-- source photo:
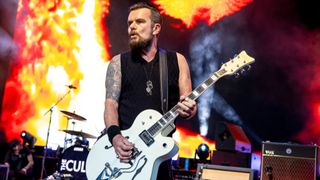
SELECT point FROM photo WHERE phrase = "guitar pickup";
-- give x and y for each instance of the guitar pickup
(146, 138)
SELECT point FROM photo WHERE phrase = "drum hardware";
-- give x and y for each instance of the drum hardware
(78, 133)
(59, 176)
(73, 115)
(66, 140)
(83, 142)
(69, 142)
(48, 131)
(80, 138)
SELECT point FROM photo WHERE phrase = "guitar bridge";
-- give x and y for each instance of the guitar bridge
(135, 153)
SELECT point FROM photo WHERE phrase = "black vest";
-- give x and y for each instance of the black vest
(134, 98)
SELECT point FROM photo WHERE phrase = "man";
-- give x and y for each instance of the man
(133, 81)
(20, 161)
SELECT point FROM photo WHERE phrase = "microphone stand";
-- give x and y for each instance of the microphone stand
(48, 132)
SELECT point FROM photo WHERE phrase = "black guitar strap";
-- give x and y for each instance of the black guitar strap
(164, 89)
(163, 80)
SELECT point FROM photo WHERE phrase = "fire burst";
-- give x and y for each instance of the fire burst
(192, 11)
(64, 42)
(61, 43)
(189, 142)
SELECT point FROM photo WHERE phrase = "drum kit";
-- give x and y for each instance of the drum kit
(80, 136)
(71, 164)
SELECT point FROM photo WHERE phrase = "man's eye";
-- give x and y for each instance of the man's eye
(140, 21)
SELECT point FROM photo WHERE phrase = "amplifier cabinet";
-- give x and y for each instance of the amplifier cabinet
(231, 137)
(287, 161)
(180, 174)
(215, 172)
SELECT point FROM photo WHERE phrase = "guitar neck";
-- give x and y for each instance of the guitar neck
(173, 113)
(228, 68)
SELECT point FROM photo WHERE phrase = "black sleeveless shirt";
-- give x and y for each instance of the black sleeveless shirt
(135, 73)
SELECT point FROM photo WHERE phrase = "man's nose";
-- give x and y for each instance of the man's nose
(132, 25)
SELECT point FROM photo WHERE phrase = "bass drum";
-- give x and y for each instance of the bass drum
(72, 162)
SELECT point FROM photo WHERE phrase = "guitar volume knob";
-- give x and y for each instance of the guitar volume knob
(164, 145)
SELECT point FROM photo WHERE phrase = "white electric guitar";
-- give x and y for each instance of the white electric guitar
(146, 133)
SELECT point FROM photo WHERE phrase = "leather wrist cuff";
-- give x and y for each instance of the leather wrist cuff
(113, 131)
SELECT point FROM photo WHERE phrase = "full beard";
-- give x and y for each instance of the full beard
(140, 44)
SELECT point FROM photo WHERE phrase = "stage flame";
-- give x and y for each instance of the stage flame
(63, 43)
(54, 51)
(189, 141)
(192, 11)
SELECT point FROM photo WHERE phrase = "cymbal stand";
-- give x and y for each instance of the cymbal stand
(65, 136)
(48, 132)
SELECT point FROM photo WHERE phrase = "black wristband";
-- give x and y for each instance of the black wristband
(113, 131)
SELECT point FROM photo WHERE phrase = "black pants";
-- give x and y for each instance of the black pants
(165, 171)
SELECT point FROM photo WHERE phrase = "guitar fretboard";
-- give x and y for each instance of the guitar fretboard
(173, 113)
(230, 67)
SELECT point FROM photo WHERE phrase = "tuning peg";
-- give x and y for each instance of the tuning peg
(237, 75)
(248, 67)
(243, 71)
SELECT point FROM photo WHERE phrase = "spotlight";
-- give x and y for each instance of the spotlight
(28, 139)
(203, 151)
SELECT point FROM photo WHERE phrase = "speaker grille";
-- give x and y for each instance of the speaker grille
(214, 172)
(288, 168)
(287, 161)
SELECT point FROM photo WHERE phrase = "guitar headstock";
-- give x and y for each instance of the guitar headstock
(235, 64)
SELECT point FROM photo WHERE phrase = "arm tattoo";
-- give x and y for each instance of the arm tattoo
(113, 79)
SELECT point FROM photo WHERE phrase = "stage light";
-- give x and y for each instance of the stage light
(28, 139)
(203, 151)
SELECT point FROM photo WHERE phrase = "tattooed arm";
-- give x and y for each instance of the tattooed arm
(113, 87)
(121, 144)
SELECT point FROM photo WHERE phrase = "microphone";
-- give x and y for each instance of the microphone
(71, 86)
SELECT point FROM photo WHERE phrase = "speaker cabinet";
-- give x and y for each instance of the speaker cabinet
(286, 161)
(214, 172)
(231, 137)
(227, 158)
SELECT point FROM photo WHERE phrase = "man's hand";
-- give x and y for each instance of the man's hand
(187, 107)
(122, 147)
(23, 171)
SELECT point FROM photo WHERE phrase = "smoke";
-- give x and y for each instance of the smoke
(205, 53)
(284, 82)
(286, 48)
(8, 49)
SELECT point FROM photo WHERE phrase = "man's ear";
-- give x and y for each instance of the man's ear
(156, 29)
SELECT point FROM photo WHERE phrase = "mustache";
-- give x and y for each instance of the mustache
(133, 33)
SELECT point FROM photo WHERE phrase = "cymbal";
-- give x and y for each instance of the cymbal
(78, 133)
(73, 115)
